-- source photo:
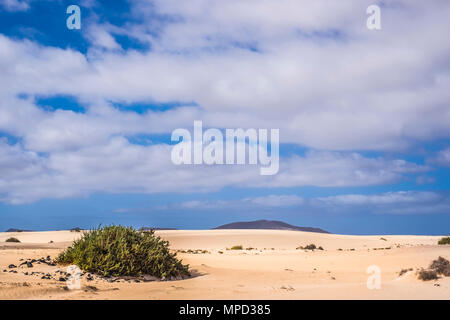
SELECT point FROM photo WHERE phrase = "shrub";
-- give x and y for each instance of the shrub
(403, 271)
(123, 251)
(75, 229)
(427, 275)
(441, 266)
(12, 240)
(445, 240)
(239, 247)
(196, 251)
(446, 272)
(308, 247)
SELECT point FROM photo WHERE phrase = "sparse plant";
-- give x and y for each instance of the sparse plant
(403, 271)
(123, 251)
(76, 229)
(238, 247)
(191, 251)
(441, 266)
(445, 240)
(12, 239)
(446, 272)
(427, 275)
(308, 247)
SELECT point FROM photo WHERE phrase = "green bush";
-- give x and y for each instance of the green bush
(123, 251)
(239, 247)
(12, 240)
(445, 240)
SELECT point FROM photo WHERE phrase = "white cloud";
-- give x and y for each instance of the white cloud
(15, 5)
(400, 202)
(277, 201)
(442, 158)
(120, 167)
(270, 201)
(383, 199)
(328, 169)
(316, 73)
(366, 91)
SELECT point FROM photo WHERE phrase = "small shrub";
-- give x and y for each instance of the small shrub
(123, 251)
(445, 240)
(446, 272)
(191, 251)
(441, 266)
(427, 275)
(75, 229)
(308, 247)
(239, 247)
(12, 240)
(403, 271)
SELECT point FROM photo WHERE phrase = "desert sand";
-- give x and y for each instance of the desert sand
(273, 269)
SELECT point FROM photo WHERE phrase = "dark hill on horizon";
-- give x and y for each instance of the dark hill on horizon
(17, 230)
(268, 224)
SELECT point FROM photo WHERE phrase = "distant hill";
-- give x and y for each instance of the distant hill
(17, 230)
(268, 224)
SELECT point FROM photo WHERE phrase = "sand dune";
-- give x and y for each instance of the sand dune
(273, 269)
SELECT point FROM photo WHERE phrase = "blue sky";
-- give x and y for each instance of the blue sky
(86, 115)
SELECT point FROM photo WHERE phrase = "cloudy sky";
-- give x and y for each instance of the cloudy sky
(86, 115)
